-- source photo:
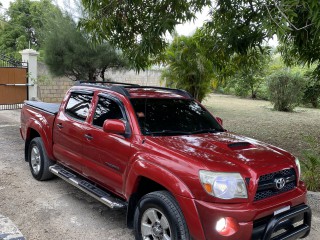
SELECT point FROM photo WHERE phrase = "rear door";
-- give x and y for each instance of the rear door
(107, 154)
(68, 133)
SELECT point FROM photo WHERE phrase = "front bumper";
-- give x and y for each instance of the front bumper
(257, 220)
(285, 222)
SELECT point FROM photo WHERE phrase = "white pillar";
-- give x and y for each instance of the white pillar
(30, 56)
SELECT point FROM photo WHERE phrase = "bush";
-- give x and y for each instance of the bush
(285, 90)
(312, 94)
(263, 92)
(311, 165)
(241, 88)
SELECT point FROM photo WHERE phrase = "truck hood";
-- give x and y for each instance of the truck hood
(224, 148)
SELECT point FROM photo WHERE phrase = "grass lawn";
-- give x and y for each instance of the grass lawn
(257, 119)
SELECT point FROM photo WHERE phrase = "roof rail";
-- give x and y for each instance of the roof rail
(109, 82)
(174, 90)
(107, 85)
(122, 87)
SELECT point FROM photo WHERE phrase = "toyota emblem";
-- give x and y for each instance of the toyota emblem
(280, 182)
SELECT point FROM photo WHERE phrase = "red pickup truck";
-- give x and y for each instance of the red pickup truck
(161, 155)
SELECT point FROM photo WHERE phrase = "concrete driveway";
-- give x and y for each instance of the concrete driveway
(54, 209)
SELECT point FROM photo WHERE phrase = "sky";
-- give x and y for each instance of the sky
(186, 29)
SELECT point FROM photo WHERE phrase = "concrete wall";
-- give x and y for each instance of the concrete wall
(53, 89)
(147, 78)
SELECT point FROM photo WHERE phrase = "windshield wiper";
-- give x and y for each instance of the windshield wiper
(169, 132)
(209, 130)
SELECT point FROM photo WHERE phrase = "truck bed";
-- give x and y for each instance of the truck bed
(51, 108)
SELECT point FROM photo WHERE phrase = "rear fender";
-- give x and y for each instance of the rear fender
(34, 124)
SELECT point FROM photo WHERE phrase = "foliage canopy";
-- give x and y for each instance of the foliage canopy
(249, 69)
(68, 52)
(246, 24)
(188, 67)
(138, 27)
(23, 24)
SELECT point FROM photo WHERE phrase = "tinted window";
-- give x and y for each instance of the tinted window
(106, 109)
(173, 117)
(78, 106)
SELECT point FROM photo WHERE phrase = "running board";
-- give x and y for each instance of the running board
(87, 187)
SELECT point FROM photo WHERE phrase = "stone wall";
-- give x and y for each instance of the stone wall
(53, 89)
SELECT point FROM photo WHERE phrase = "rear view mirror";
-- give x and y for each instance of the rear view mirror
(219, 120)
(115, 126)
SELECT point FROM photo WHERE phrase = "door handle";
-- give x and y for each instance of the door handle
(60, 125)
(88, 136)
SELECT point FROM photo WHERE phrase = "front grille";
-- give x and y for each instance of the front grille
(268, 187)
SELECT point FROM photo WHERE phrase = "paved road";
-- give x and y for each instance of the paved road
(54, 209)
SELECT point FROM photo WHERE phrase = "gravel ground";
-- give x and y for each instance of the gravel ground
(56, 210)
(53, 209)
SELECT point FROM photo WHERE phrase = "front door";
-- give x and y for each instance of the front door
(106, 154)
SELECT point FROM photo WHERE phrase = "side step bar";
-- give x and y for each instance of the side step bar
(87, 187)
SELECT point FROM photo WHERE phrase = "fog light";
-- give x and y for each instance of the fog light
(227, 226)
(221, 225)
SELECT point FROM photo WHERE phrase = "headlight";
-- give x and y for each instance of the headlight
(223, 185)
(299, 167)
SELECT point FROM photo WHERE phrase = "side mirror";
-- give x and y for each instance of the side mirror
(114, 126)
(219, 120)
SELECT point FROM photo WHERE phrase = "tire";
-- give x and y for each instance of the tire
(38, 160)
(158, 216)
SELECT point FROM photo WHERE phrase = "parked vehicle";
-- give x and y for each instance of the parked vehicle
(161, 155)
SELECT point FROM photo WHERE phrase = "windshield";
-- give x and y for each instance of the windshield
(167, 116)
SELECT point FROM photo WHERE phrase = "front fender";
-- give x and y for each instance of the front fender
(144, 168)
(158, 174)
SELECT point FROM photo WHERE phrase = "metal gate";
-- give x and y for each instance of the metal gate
(13, 83)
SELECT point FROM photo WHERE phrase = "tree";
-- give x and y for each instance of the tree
(250, 70)
(68, 52)
(25, 20)
(138, 27)
(243, 25)
(188, 67)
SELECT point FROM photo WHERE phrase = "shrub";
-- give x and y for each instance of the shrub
(241, 87)
(262, 92)
(312, 90)
(312, 94)
(285, 90)
(311, 164)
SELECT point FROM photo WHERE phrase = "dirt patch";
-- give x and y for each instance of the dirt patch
(257, 119)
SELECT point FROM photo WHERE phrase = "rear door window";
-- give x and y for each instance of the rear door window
(78, 106)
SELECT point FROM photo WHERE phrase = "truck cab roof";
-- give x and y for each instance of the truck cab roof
(137, 91)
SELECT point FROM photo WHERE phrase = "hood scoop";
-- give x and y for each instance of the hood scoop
(240, 145)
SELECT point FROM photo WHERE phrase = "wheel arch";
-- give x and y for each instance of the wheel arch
(31, 134)
(145, 177)
(35, 129)
(144, 186)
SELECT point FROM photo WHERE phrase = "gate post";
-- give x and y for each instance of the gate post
(30, 56)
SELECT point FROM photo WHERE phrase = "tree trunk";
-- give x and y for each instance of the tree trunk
(103, 70)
